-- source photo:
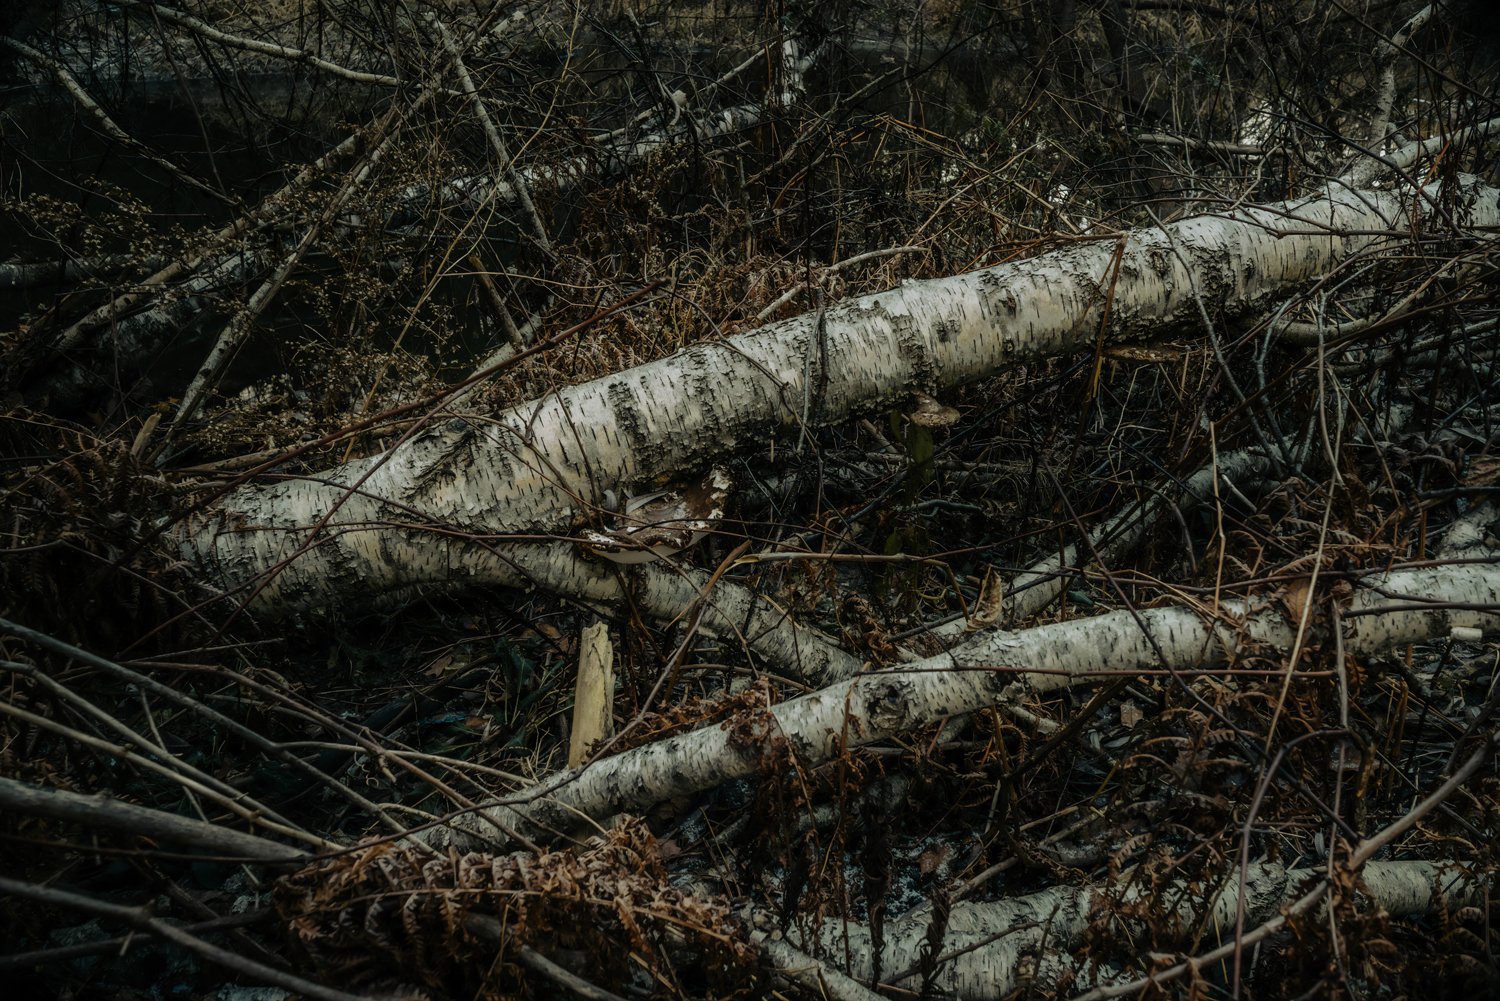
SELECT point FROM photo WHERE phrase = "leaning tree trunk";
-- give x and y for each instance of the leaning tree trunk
(411, 516)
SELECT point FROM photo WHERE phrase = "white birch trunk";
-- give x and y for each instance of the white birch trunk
(132, 338)
(537, 467)
(1401, 607)
(999, 946)
(615, 156)
(23, 274)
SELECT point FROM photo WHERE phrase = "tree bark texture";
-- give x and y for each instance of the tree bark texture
(410, 515)
(994, 948)
(1400, 607)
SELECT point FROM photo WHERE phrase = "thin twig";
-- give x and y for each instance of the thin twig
(141, 917)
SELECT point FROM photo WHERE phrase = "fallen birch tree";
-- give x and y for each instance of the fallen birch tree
(123, 335)
(403, 517)
(992, 949)
(1095, 548)
(996, 668)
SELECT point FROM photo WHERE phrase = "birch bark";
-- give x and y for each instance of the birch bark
(995, 948)
(409, 516)
(1389, 609)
